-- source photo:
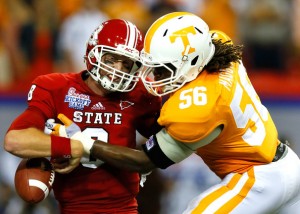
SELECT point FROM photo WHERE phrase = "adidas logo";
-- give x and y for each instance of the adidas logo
(98, 106)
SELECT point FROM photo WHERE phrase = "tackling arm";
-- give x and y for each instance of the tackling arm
(160, 151)
(122, 157)
(119, 156)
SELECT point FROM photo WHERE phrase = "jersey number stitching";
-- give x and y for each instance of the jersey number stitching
(194, 96)
(96, 134)
(254, 111)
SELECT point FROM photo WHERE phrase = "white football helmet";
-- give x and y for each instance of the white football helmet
(115, 36)
(220, 35)
(181, 43)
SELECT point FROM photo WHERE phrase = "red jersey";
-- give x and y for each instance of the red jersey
(114, 118)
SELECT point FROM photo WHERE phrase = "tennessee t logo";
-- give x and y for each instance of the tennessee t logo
(183, 35)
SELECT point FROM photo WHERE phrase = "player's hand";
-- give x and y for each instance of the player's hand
(64, 165)
(55, 128)
(70, 130)
(49, 125)
(67, 130)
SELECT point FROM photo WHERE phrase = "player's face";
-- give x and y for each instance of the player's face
(161, 73)
(118, 62)
(114, 62)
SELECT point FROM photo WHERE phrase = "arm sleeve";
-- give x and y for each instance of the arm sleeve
(40, 108)
(155, 154)
(163, 150)
(31, 117)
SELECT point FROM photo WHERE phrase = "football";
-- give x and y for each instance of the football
(33, 179)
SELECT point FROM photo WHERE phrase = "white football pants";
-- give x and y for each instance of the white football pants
(265, 189)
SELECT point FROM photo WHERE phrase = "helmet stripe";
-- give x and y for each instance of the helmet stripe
(157, 24)
(127, 33)
(131, 36)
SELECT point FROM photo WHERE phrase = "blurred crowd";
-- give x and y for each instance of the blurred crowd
(44, 36)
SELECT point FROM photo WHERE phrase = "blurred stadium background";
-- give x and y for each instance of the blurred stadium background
(44, 36)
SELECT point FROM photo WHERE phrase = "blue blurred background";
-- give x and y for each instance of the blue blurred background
(44, 36)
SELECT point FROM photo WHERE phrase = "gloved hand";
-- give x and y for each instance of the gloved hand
(69, 130)
(49, 125)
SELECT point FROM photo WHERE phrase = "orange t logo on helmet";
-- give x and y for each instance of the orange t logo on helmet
(183, 35)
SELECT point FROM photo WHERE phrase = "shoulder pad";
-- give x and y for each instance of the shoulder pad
(55, 80)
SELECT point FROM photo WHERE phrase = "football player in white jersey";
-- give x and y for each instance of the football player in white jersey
(213, 111)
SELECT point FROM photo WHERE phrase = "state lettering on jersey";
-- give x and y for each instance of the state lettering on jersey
(76, 100)
(97, 117)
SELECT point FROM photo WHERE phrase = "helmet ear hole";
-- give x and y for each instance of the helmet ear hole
(195, 60)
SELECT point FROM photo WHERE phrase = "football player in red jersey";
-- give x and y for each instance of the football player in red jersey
(109, 102)
(213, 111)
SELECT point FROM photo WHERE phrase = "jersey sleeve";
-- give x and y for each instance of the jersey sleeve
(190, 114)
(40, 108)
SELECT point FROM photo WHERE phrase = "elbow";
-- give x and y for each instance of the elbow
(10, 142)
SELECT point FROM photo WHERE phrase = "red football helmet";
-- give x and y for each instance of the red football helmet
(115, 36)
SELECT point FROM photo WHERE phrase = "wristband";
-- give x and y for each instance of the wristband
(60, 147)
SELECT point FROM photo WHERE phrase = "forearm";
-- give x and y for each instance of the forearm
(29, 142)
(32, 142)
(122, 157)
